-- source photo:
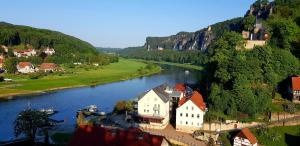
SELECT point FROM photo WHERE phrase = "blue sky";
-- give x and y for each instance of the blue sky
(120, 23)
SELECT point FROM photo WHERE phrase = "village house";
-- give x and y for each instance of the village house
(25, 67)
(24, 53)
(245, 138)
(295, 88)
(4, 48)
(101, 136)
(48, 67)
(153, 107)
(49, 51)
(190, 113)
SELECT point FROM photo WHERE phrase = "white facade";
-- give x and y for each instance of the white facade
(27, 69)
(25, 53)
(239, 141)
(189, 117)
(152, 106)
(49, 51)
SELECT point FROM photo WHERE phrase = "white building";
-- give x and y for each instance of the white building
(25, 53)
(49, 51)
(153, 107)
(245, 138)
(25, 67)
(190, 113)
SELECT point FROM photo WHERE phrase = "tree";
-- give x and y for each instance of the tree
(249, 22)
(10, 65)
(29, 122)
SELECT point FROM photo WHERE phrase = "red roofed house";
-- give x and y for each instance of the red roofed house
(99, 136)
(25, 67)
(245, 138)
(24, 53)
(48, 67)
(295, 88)
(190, 113)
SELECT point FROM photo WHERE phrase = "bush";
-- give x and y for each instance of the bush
(1, 79)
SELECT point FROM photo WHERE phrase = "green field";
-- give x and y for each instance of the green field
(186, 65)
(76, 77)
(279, 136)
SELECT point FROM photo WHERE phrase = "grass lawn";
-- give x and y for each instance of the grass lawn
(186, 65)
(279, 136)
(75, 77)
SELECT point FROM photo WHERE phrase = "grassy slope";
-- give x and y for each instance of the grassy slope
(289, 135)
(188, 66)
(123, 70)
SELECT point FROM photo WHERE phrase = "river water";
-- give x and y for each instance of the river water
(68, 101)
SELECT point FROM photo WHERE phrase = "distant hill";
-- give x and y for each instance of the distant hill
(12, 35)
(108, 50)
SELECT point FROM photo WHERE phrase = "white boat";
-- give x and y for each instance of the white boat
(92, 108)
(102, 113)
(47, 111)
(187, 72)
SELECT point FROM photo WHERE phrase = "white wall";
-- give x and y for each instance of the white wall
(147, 103)
(238, 141)
(186, 115)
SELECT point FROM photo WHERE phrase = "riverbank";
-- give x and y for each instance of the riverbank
(76, 77)
(185, 65)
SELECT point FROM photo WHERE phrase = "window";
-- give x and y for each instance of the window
(198, 116)
(147, 111)
(186, 115)
(187, 107)
(192, 115)
(192, 108)
(186, 122)
(180, 114)
(144, 110)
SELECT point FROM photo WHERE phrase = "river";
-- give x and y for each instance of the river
(68, 101)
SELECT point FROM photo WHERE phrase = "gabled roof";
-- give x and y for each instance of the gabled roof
(246, 133)
(99, 136)
(180, 87)
(24, 64)
(295, 83)
(48, 66)
(196, 98)
(160, 91)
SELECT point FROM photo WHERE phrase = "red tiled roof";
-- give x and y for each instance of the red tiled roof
(296, 83)
(24, 64)
(99, 136)
(48, 66)
(180, 87)
(196, 98)
(246, 133)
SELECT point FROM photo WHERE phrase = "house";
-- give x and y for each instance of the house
(1, 61)
(5, 48)
(153, 107)
(245, 138)
(25, 67)
(48, 67)
(295, 88)
(101, 136)
(190, 113)
(49, 51)
(24, 53)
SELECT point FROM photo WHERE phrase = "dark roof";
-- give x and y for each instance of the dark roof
(160, 91)
(99, 136)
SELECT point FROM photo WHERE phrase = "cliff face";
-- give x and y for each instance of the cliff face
(202, 39)
(199, 40)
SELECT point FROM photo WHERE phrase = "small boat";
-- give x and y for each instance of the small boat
(102, 113)
(187, 72)
(92, 108)
(49, 111)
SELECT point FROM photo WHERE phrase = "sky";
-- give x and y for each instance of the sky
(120, 23)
